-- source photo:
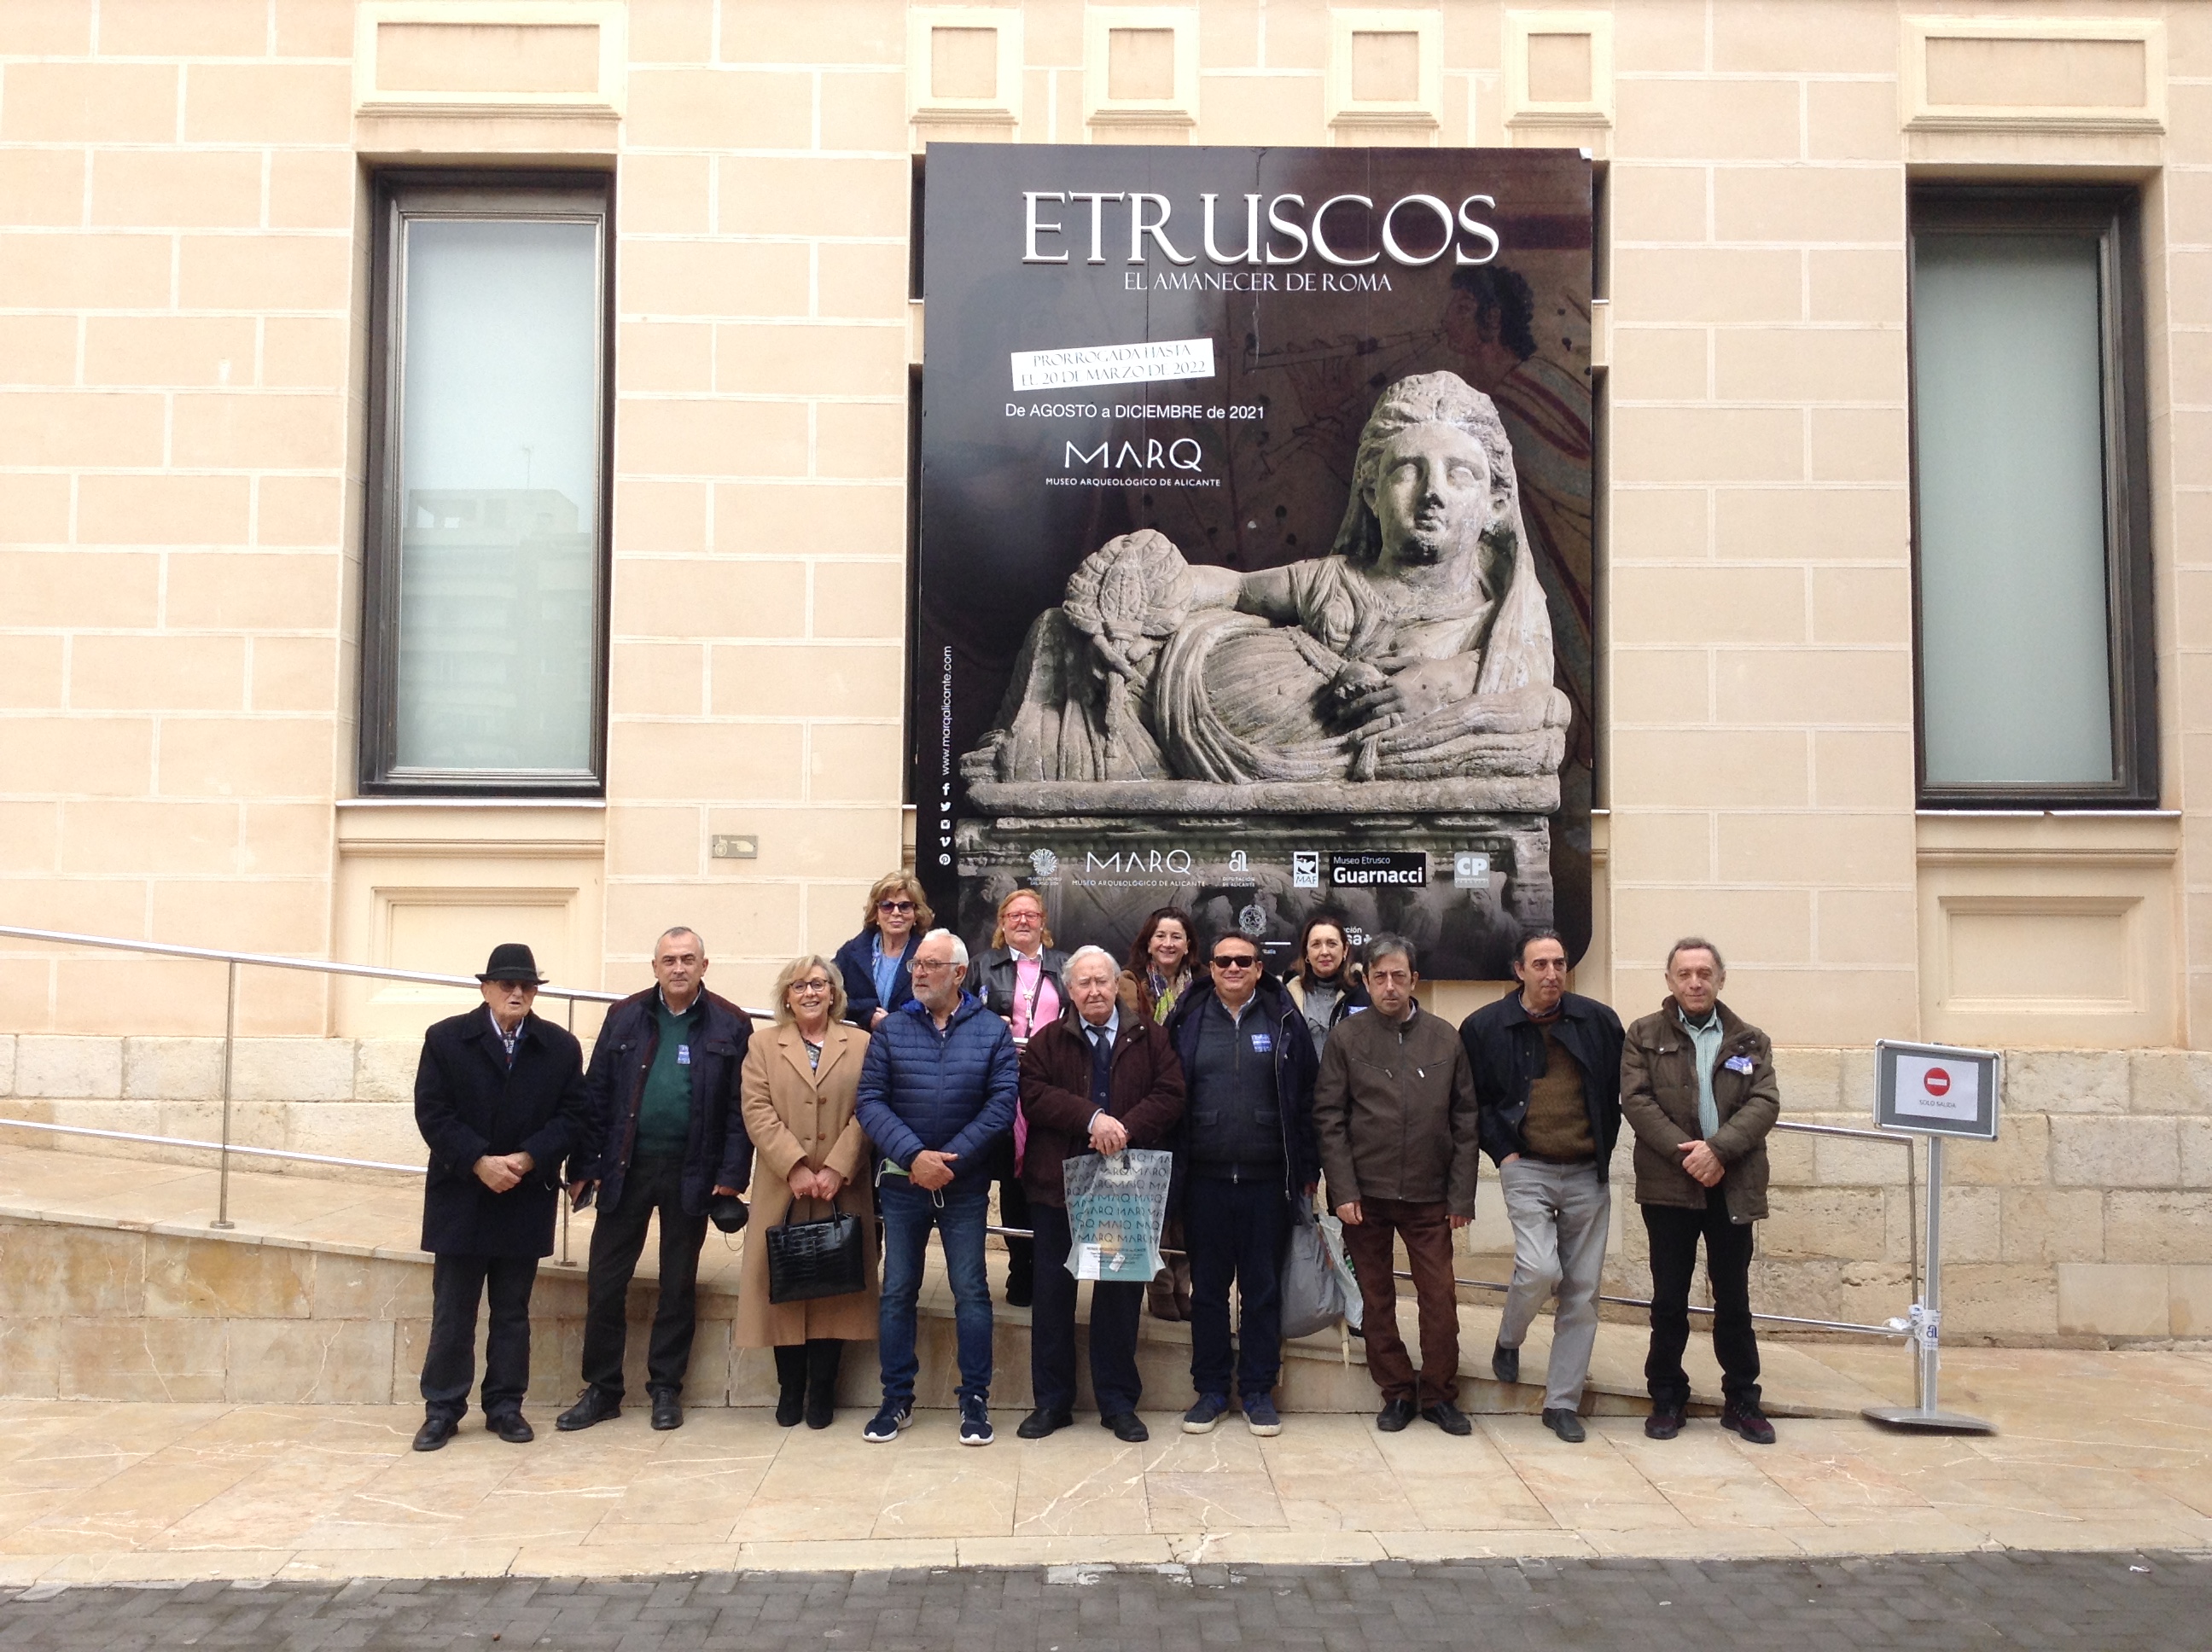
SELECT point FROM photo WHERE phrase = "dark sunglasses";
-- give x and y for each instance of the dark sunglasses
(894, 906)
(1243, 961)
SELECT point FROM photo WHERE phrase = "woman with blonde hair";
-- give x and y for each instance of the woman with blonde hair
(798, 1087)
(1019, 978)
(876, 962)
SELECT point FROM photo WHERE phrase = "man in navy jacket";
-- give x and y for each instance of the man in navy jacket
(1249, 1161)
(937, 1090)
(499, 1097)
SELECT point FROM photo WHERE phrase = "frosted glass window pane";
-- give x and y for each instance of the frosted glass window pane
(2007, 371)
(499, 470)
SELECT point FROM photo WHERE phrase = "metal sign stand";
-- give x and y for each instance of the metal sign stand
(1933, 1090)
(1926, 1324)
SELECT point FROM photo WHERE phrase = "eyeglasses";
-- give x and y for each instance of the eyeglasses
(894, 906)
(928, 966)
(810, 986)
(1243, 961)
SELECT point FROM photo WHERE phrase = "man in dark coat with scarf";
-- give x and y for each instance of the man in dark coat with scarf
(499, 1096)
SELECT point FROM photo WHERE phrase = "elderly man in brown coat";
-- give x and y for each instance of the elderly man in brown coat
(1401, 1145)
(799, 1089)
(1697, 1087)
(1101, 1078)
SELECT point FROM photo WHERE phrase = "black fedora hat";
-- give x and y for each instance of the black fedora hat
(513, 960)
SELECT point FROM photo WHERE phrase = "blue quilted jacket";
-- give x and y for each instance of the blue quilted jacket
(950, 1091)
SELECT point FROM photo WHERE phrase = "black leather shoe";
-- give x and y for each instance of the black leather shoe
(1128, 1426)
(1394, 1415)
(790, 1406)
(1662, 1423)
(1505, 1363)
(1040, 1422)
(434, 1432)
(592, 1407)
(1746, 1421)
(1449, 1417)
(511, 1427)
(1564, 1423)
(1020, 1293)
(667, 1410)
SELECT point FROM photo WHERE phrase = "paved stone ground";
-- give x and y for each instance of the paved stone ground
(2111, 1602)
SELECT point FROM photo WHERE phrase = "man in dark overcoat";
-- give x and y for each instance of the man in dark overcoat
(499, 1096)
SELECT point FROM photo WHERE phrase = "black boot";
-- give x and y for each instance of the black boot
(823, 1355)
(791, 1384)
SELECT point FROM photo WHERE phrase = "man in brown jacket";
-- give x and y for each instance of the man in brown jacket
(1101, 1077)
(1401, 1145)
(1697, 1087)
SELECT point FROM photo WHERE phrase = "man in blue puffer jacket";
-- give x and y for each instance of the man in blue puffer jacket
(937, 1090)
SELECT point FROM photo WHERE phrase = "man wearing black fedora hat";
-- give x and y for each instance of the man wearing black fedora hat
(499, 1096)
(665, 1136)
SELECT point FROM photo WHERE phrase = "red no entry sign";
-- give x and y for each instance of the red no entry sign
(1937, 1081)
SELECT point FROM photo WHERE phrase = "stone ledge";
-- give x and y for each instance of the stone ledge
(95, 1308)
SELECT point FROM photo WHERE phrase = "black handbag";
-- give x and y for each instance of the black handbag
(821, 1258)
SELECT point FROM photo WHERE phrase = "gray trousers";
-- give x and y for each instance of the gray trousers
(1559, 1214)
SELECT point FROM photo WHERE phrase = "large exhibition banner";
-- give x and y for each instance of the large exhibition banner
(1255, 547)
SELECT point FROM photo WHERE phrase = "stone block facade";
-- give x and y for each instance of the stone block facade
(186, 236)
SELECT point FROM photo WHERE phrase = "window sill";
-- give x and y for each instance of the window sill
(2067, 837)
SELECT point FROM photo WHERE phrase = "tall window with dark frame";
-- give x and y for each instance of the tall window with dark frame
(483, 635)
(2031, 511)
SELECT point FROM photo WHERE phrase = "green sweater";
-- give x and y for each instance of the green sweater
(663, 1113)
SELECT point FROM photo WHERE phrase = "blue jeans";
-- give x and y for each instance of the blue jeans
(909, 1214)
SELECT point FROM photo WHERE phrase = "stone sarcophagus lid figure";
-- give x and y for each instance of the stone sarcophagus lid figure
(1396, 692)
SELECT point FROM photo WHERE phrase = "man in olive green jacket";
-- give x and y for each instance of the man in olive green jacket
(1401, 1145)
(1697, 1087)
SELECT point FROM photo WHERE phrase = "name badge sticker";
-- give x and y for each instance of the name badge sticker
(1263, 1043)
(1738, 1064)
(682, 1055)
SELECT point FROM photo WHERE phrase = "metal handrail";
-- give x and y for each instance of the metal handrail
(216, 1146)
(233, 962)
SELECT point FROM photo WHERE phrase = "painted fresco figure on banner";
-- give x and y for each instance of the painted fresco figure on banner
(1419, 649)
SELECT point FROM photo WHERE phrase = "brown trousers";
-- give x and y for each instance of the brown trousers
(1426, 1230)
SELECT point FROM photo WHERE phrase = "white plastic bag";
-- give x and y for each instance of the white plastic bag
(1313, 1292)
(1116, 1206)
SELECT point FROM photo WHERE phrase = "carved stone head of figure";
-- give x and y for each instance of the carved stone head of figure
(1431, 496)
(1433, 480)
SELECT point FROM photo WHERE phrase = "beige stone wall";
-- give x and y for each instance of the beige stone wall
(182, 278)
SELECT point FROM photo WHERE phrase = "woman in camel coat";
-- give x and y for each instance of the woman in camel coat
(798, 1087)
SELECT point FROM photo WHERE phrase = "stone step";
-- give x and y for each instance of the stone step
(113, 1286)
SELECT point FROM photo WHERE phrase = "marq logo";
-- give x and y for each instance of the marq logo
(1043, 862)
(1184, 453)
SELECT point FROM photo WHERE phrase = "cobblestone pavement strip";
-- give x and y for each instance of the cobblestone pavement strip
(2113, 1602)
